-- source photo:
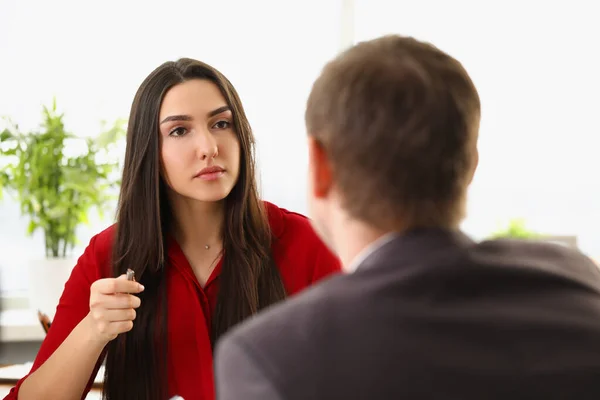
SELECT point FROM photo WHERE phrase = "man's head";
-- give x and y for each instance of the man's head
(393, 126)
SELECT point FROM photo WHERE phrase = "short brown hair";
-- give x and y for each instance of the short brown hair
(399, 120)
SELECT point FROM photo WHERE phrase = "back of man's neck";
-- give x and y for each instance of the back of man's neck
(353, 239)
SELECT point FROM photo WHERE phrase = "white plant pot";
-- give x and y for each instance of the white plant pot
(47, 278)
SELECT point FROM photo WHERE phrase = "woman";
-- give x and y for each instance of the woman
(206, 252)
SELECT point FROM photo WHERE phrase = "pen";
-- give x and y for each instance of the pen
(130, 275)
(44, 320)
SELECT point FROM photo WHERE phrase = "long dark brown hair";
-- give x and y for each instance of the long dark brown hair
(249, 280)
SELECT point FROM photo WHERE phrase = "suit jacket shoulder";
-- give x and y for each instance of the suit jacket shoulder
(274, 337)
(534, 256)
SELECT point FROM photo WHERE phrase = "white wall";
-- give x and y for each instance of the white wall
(536, 66)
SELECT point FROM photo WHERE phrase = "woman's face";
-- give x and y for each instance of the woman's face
(200, 150)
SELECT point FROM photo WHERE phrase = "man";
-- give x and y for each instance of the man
(424, 312)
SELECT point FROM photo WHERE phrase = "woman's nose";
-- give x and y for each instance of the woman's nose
(206, 145)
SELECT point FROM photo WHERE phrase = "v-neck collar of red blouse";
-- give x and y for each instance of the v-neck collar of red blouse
(179, 260)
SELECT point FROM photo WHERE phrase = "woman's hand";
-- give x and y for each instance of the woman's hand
(112, 307)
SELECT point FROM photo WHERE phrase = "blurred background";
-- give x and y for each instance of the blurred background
(535, 64)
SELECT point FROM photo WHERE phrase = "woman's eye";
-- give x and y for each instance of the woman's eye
(222, 125)
(180, 131)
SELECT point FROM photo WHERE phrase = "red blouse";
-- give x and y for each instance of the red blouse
(300, 255)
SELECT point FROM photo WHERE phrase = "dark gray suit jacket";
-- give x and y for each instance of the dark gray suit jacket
(430, 315)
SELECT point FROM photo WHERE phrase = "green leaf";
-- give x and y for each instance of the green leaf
(5, 135)
(31, 227)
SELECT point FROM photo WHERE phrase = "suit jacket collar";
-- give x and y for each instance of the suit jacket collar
(413, 246)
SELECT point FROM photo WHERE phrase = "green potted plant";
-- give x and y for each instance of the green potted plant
(57, 178)
(516, 229)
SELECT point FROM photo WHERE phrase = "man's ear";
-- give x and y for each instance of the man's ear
(319, 168)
